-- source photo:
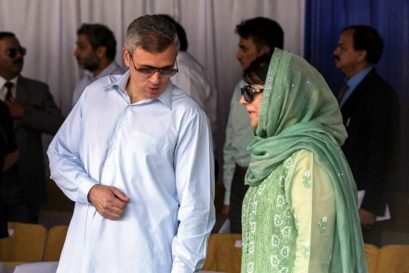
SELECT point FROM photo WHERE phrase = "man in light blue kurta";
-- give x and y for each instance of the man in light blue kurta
(135, 154)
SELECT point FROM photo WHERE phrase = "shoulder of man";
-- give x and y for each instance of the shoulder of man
(31, 83)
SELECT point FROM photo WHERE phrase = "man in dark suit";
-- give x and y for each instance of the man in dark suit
(34, 112)
(371, 114)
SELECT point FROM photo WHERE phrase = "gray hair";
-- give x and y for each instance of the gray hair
(152, 33)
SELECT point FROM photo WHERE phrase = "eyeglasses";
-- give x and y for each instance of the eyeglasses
(12, 52)
(248, 92)
(148, 71)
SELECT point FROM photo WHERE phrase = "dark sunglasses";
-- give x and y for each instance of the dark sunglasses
(248, 92)
(148, 71)
(12, 52)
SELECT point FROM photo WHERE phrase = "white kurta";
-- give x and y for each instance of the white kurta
(159, 153)
(192, 79)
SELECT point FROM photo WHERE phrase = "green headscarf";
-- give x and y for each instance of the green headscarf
(299, 111)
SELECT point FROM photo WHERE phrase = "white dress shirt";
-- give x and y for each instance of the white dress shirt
(192, 79)
(3, 89)
(156, 151)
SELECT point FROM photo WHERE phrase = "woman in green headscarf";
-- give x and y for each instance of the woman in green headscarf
(300, 212)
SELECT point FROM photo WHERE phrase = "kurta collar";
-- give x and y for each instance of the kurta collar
(121, 82)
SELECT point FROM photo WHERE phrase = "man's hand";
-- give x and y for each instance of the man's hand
(109, 201)
(16, 109)
(367, 218)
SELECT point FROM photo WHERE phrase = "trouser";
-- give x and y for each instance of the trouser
(238, 191)
(3, 222)
(15, 207)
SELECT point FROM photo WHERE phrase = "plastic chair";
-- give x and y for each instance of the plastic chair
(371, 253)
(223, 253)
(393, 259)
(55, 242)
(26, 243)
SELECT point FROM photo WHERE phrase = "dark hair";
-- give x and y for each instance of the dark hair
(367, 38)
(180, 31)
(6, 34)
(256, 72)
(152, 33)
(263, 31)
(100, 36)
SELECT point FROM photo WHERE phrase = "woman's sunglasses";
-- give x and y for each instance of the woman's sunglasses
(248, 92)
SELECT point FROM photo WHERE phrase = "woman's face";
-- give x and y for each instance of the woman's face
(253, 107)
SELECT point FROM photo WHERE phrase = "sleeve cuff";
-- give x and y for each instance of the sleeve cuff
(84, 187)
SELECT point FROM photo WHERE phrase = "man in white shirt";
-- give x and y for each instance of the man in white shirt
(192, 78)
(257, 35)
(95, 52)
(135, 154)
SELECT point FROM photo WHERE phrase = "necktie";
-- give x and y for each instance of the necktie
(9, 94)
(341, 91)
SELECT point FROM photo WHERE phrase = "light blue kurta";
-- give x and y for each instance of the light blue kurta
(159, 153)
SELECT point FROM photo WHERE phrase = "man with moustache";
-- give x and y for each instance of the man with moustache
(257, 36)
(371, 115)
(95, 52)
(135, 154)
(34, 112)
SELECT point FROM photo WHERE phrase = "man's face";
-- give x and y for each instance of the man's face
(84, 53)
(10, 66)
(347, 59)
(140, 86)
(247, 52)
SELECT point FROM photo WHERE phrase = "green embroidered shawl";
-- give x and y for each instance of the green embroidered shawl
(299, 111)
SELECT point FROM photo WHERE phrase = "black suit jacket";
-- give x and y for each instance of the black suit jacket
(371, 117)
(41, 115)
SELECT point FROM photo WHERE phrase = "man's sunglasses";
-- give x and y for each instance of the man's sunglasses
(148, 71)
(12, 52)
(248, 92)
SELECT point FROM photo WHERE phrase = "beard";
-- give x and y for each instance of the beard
(91, 63)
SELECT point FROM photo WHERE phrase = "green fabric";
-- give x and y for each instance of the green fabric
(269, 248)
(300, 112)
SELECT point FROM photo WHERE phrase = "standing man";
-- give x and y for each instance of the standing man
(370, 111)
(135, 154)
(192, 78)
(33, 110)
(95, 52)
(257, 36)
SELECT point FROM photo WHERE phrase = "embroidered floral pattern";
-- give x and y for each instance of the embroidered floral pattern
(322, 224)
(269, 248)
(307, 180)
(306, 249)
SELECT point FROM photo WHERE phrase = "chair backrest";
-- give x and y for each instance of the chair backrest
(371, 254)
(223, 253)
(55, 242)
(393, 259)
(26, 243)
